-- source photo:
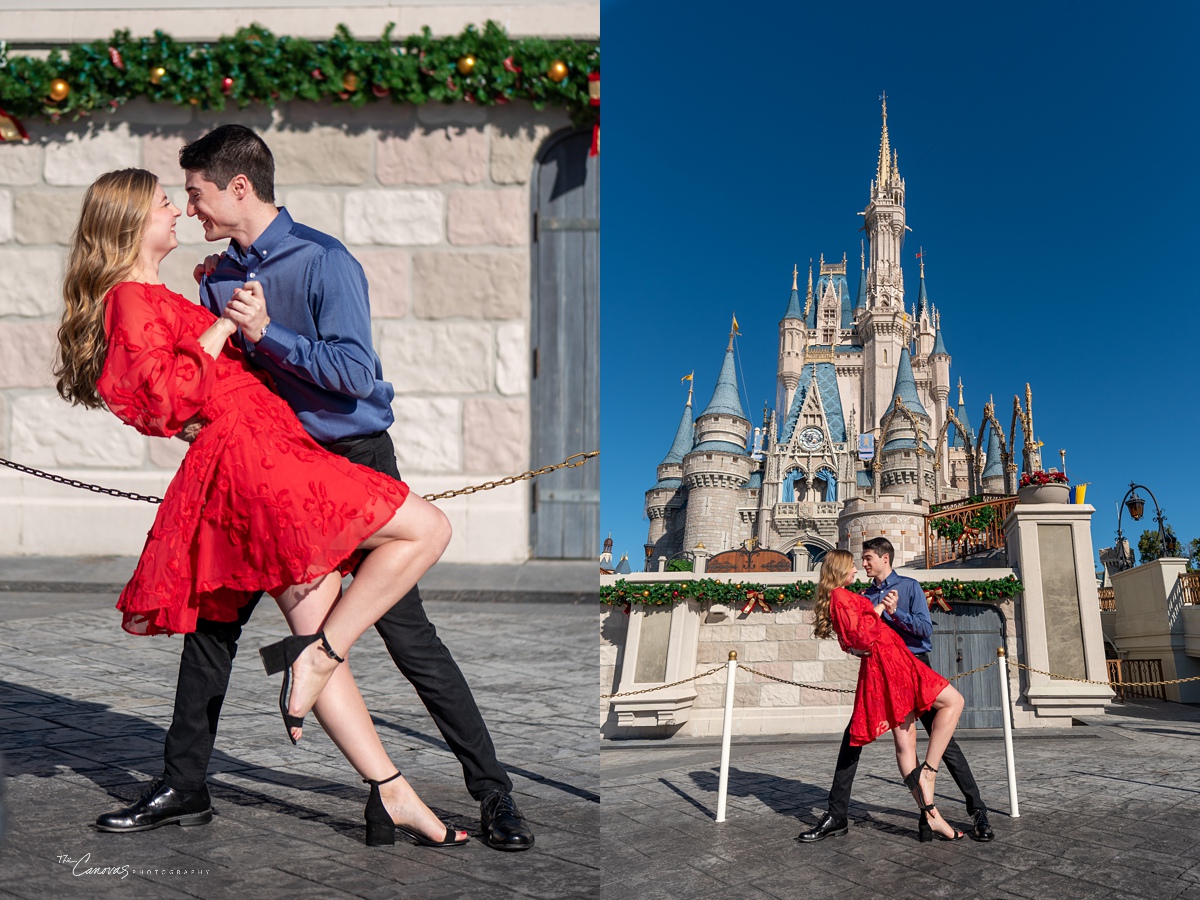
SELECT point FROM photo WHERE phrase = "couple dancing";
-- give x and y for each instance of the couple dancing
(889, 628)
(289, 483)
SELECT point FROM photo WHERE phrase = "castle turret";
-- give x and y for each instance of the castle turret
(792, 341)
(993, 467)
(923, 318)
(718, 465)
(666, 498)
(906, 457)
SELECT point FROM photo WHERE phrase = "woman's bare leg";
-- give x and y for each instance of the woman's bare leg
(401, 552)
(345, 718)
(948, 709)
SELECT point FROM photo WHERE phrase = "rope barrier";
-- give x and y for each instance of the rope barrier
(571, 462)
(815, 687)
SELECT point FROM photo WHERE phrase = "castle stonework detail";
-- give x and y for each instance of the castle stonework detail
(850, 365)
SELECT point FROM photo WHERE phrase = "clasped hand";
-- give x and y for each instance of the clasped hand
(248, 310)
(891, 601)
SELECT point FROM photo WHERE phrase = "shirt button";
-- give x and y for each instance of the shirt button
(253, 274)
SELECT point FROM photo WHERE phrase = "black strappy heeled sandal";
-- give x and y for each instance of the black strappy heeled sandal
(279, 657)
(912, 781)
(381, 830)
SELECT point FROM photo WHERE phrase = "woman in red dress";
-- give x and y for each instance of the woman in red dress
(894, 687)
(256, 505)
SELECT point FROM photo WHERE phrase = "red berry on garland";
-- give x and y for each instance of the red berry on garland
(318, 75)
(379, 90)
(509, 66)
(226, 85)
(115, 55)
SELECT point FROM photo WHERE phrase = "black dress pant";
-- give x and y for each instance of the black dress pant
(847, 765)
(412, 641)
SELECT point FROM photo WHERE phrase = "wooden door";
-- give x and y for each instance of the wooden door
(565, 338)
(963, 639)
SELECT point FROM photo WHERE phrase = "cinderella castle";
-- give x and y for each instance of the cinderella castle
(862, 438)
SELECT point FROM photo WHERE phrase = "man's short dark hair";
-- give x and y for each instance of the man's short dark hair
(228, 151)
(880, 546)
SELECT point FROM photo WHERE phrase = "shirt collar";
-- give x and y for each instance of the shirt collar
(279, 228)
(885, 581)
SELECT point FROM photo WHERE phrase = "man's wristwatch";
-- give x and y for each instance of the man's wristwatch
(262, 334)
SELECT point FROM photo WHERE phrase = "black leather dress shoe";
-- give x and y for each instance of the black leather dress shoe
(160, 805)
(982, 829)
(827, 827)
(504, 828)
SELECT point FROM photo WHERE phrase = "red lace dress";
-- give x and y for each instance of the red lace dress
(891, 681)
(256, 503)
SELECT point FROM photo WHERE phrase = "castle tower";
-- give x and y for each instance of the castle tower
(606, 554)
(906, 457)
(665, 499)
(883, 326)
(958, 472)
(993, 468)
(792, 341)
(923, 318)
(718, 465)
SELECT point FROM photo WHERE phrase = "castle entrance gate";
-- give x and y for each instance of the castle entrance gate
(963, 639)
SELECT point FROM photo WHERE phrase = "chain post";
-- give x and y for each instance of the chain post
(726, 734)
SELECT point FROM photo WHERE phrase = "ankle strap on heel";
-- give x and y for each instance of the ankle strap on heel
(325, 645)
(383, 781)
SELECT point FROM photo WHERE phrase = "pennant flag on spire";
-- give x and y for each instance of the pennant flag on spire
(736, 330)
(687, 377)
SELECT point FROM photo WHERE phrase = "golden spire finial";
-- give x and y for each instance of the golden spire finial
(809, 284)
(960, 402)
(733, 330)
(884, 169)
(921, 256)
(692, 384)
(795, 272)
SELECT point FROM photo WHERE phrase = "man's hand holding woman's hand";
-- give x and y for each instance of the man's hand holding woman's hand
(248, 310)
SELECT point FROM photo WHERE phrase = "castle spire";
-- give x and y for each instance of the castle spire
(884, 169)
(809, 297)
(725, 397)
(684, 434)
(922, 297)
(906, 387)
(793, 307)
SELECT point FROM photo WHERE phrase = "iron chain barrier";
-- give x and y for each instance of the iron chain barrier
(571, 462)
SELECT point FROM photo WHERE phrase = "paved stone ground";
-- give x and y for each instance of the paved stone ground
(84, 709)
(1107, 809)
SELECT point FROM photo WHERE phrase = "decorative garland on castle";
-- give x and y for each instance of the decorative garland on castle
(485, 68)
(748, 597)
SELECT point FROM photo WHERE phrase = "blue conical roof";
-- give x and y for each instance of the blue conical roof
(922, 298)
(684, 436)
(995, 465)
(961, 440)
(725, 396)
(939, 346)
(794, 309)
(906, 387)
(861, 300)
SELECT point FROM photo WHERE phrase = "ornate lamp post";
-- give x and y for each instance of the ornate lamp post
(1137, 506)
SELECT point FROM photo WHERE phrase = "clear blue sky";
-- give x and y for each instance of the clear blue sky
(1050, 152)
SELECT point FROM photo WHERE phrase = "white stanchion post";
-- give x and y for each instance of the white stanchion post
(726, 734)
(1006, 708)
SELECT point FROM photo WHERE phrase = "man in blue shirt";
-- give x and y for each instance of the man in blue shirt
(313, 335)
(907, 612)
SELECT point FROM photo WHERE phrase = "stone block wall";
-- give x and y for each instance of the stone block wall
(433, 201)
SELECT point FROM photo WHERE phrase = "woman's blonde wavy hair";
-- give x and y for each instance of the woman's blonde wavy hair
(834, 568)
(103, 251)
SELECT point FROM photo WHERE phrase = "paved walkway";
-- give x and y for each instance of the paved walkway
(83, 713)
(1108, 809)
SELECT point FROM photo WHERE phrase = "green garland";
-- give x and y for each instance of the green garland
(270, 69)
(784, 596)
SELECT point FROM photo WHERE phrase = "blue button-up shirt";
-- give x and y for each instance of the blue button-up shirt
(911, 620)
(318, 345)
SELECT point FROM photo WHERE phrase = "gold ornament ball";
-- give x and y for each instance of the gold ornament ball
(157, 74)
(466, 64)
(350, 82)
(59, 90)
(557, 71)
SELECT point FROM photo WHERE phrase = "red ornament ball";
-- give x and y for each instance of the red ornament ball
(226, 85)
(379, 90)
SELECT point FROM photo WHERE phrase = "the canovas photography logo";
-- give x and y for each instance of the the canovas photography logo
(83, 865)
